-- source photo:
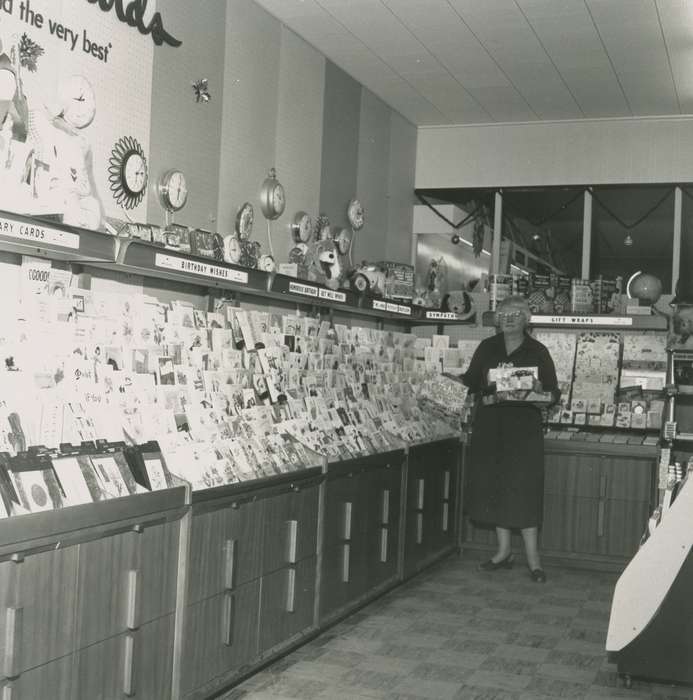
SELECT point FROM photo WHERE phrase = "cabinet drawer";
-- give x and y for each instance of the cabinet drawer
(225, 549)
(158, 564)
(624, 525)
(287, 603)
(53, 680)
(344, 508)
(290, 528)
(627, 479)
(221, 635)
(575, 475)
(570, 525)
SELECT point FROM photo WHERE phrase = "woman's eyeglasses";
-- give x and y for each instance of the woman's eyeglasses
(509, 315)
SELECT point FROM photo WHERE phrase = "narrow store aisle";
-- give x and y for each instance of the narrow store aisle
(456, 633)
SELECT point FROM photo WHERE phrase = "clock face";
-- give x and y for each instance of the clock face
(78, 102)
(232, 249)
(278, 201)
(173, 190)
(355, 214)
(302, 227)
(244, 221)
(135, 173)
(127, 172)
(272, 197)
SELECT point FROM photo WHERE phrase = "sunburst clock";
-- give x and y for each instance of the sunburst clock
(127, 172)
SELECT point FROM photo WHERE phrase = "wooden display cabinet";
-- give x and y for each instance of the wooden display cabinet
(432, 500)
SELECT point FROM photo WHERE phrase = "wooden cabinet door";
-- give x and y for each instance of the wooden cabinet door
(290, 527)
(341, 497)
(225, 549)
(40, 626)
(153, 664)
(106, 588)
(53, 680)
(577, 475)
(221, 636)
(383, 519)
(624, 523)
(157, 566)
(336, 587)
(287, 603)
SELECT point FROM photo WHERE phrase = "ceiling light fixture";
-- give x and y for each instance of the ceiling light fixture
(628, 240)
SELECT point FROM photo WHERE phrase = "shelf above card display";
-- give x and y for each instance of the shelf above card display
(641, 323)
(42, 238)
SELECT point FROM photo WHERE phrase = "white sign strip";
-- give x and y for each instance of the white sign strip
(406, 310)
(35, 233)
(582, 320)
(379, 305)
(305, 289)
(332, 295)
(194, 267)
(441, 316)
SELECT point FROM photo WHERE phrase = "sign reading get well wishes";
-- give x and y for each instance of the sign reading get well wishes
(78, 78)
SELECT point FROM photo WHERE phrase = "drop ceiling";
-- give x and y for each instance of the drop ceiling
(490, 61)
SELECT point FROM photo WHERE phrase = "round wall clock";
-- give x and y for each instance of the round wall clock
(173, 190)
(355, 214)
(272, 197)
(302, 227)
(78, 101)
(127, 172)
(244, 221)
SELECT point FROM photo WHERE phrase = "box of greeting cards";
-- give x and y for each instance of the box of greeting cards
(517, 385)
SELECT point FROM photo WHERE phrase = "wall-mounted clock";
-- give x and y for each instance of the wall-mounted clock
(173, 190)
(272, 197)
(244, 221)
(302, 227)
(78, 101)
(355, 214)
(127, 172)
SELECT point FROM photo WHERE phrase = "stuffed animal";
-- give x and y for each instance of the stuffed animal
(323, 263)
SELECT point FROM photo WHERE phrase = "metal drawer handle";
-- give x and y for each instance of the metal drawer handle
(600, 519)
(132, 601)
(419, 528)
(13, 641)
(291, 590)
(346, 523)
(229, 564)
(292, 541)
(445, 517)
(346, 551)
(383, 544)
(446, 486)
(385, 515)
(129, 666)
(419, 494)
(227, 618)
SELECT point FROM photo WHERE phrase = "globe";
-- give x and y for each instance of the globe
(646, 288)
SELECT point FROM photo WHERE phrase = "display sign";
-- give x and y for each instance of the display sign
(391, 308)
(196, 267)
(35, 233)
(581, 320)
(332, 295)
(305, 290)
(442, 316)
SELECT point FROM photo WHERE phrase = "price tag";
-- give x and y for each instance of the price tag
(582, 320)
(195, 267)
(305, 290)
(35, 233)
(332, 295)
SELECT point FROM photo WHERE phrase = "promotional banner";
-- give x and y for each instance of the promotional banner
(75, 97)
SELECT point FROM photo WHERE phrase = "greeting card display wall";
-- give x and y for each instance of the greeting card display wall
(288, 426)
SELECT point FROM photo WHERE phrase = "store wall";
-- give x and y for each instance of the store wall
(599, 151)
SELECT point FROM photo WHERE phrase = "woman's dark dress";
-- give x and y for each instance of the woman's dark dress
(506, 480)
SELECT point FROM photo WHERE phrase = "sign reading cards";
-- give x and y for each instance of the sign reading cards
(194, 267)
(581, 320)
(35, 233)
(391, 308)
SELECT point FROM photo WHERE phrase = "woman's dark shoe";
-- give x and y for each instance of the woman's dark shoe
(537, 575)
(490, 565)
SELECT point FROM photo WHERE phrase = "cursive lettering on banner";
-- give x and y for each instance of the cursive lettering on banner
(133, 12)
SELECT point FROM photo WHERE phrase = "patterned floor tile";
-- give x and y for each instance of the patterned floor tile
(458, 633)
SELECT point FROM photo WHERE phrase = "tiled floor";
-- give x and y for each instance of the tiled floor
(456, 633)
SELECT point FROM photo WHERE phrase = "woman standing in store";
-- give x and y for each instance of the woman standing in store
(506, 481)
